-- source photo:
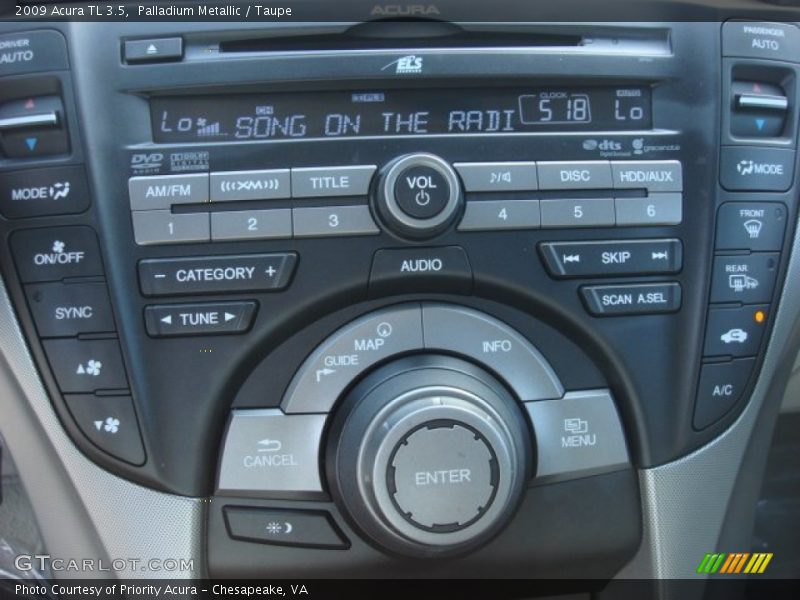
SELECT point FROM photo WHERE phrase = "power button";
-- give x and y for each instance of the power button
(421, 191)
(419, 195)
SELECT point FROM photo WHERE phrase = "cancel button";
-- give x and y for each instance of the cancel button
(445, 269)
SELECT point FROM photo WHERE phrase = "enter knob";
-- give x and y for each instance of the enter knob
(419, 195)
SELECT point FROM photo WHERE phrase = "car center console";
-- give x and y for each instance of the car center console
(435, 299)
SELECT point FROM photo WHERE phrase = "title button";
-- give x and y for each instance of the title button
(332, 181)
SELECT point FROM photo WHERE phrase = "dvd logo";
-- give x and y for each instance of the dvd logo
(406, 64)
(146, 162)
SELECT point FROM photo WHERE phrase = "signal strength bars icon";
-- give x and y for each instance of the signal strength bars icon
(209, 130)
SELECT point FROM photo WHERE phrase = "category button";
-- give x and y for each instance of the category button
(68, 309)
(250, 185)
(634, 299)
(498, 176)
(606, 258)
(268, 451)
(746, 279)
(153, 193)
(420, 269)
(216, 274)
(653, 175)
(331, 181)
(199, 318)
(52, 191)
(55, 253)
(574, 175)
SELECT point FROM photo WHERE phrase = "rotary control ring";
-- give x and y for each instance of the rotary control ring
(441, 454)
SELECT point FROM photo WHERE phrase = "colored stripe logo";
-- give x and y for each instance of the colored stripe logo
(731, 563)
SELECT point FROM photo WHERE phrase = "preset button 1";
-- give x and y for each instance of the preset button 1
(216, 274)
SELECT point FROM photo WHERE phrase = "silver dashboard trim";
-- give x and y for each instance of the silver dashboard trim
(684, 502)
(83, 511)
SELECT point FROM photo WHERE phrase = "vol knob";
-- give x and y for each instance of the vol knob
(418, 195)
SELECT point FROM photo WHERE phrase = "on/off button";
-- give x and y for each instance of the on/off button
(421, 191)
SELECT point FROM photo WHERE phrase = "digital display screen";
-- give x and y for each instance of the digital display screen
(347, 114)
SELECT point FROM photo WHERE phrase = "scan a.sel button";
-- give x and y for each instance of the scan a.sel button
(268, 451)
(216, 274)
(640, 298)
(348, 352)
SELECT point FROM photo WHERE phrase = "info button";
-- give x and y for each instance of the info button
(420, 269)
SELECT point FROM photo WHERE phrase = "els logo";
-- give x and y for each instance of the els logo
(734, 563)
(406, 64)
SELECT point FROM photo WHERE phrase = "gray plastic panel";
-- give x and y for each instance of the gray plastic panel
(684, 502)
(83, 510)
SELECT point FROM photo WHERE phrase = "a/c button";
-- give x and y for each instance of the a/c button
(721, 386)
(444, 269)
